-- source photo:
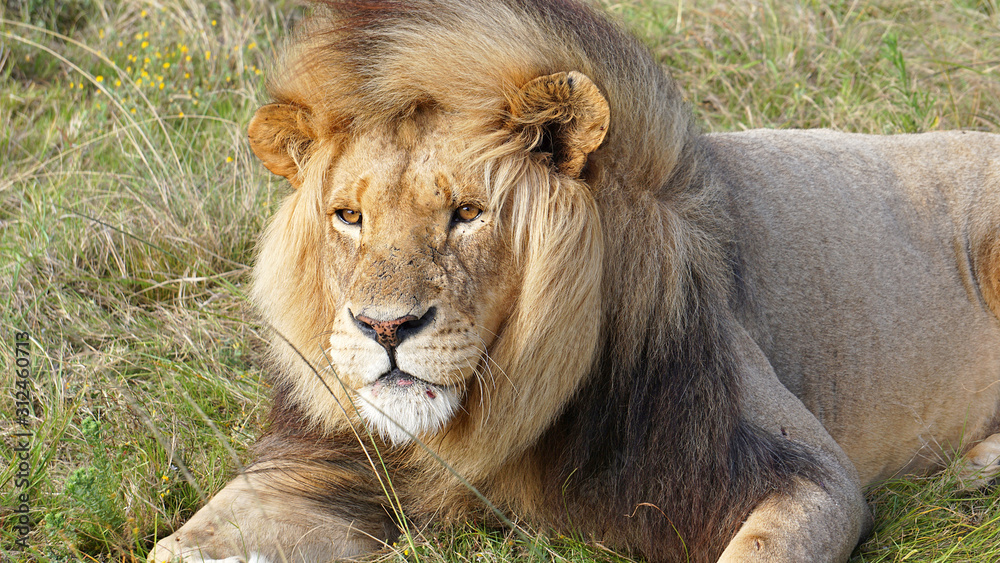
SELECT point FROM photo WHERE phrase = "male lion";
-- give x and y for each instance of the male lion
(511, 256)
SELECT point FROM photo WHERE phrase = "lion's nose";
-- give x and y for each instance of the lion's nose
(391, 333)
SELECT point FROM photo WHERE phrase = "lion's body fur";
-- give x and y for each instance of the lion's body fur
(627, 390)
(852, 315)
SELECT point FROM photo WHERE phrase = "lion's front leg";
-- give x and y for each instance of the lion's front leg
(810, 524)
(283, 511)
(818, 520)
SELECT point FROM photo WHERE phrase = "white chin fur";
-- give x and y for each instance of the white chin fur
(400, 413)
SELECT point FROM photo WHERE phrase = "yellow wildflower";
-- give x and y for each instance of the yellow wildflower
(187, 59)
(143, 13)
(120, 44)
(251, 45)
(118, 82)
(144, 44)
(160, 86)
(166, 65)
(208, 55)
(229, 159)
(213, 23)
(99, 78)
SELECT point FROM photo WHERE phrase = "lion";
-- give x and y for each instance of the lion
(513, 277)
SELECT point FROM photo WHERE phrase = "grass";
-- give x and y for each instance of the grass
(129, 206)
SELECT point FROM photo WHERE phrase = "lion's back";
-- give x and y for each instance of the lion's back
(858, 258)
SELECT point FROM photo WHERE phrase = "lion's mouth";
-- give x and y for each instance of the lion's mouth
(400, 406)
(399, 379)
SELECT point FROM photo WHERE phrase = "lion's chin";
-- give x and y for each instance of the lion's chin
(400, 407)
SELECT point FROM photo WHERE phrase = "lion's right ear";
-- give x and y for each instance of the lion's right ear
(280, 135)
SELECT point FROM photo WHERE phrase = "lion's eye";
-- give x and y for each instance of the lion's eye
(349, 216)
(466, 213)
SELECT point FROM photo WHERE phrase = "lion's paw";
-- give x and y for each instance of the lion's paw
(159, 555)
(174, 549)
(982, 463)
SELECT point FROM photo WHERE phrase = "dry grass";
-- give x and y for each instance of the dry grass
(129, 206)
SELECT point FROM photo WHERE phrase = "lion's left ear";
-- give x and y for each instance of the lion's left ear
(563, 114)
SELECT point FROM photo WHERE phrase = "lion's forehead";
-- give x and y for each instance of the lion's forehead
(409, 169)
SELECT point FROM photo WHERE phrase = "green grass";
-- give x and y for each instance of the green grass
(130, 203)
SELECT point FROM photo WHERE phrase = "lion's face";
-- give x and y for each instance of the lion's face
(448, 262)
(422, 274)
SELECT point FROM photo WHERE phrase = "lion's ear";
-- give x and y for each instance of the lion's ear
(563, 114)
(280, 135)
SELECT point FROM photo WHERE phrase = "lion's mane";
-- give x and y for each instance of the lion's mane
(618, 383)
